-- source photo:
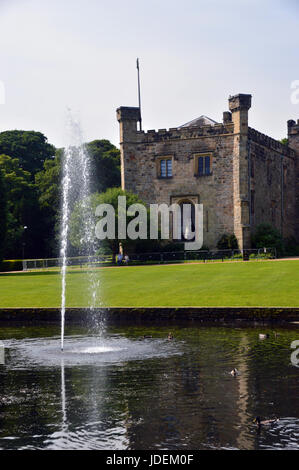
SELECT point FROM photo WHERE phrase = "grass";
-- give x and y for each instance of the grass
(262, 283)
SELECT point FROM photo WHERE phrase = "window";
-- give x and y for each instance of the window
(165, 167)
(203, 165)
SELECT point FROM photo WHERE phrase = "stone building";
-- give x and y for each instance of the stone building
(242, 177)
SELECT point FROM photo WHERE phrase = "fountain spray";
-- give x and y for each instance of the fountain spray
(76, 188)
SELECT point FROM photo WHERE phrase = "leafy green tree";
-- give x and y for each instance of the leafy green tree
(3, 215)
(30, 147)
(105, 164)
(105, 160)
(48, 190)
(267, 236)
(22, 210)
(227, 242)
(48, 182)
(108, 197)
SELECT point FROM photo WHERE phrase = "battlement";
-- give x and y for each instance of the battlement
(293, 127)
(128, 113)
(269, 142)
(192, 132)
(239, 102)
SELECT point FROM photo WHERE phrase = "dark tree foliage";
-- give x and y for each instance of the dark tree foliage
(30, 147)
(3, 215)
(105, 166)
(31, 174)
(105, 160)
(109, 245)
(227, 242)
(267, 236)
(48, 191)
(22, 211)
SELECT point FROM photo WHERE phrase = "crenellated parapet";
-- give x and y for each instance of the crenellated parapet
(269, 142)
(183, 133)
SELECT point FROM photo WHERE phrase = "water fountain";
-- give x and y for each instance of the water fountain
(76, 188)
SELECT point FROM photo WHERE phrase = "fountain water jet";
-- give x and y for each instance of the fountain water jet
(76, 188)
(64, 237)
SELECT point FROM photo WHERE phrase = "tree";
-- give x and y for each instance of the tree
(227, 242)
(105, 160)
(108, 197)
(3, 215)
(105, 165)
(30, 147)
(48, 189)
(48, 182)
(267, 236)
(22, 209)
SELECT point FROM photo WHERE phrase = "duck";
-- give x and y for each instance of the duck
(263, 335)
(234, 372)
(146, 336)
(266, 422)
(170, 336)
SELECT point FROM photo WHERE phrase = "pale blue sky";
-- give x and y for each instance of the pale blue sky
(193, 54)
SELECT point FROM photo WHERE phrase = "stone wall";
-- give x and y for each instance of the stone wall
(293, 137)
(140, 316)
(272, 178)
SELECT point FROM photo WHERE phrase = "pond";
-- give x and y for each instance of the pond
(132, 388)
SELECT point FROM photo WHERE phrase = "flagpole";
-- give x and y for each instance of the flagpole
(139, 98)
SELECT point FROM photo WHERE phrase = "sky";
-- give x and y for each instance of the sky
(81, 54)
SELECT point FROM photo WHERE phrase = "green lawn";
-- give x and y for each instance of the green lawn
(261, 283)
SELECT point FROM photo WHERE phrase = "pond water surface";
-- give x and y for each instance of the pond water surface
(124, 391)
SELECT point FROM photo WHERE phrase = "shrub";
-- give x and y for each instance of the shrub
(237, 256)
(268, 237)
(291, 247)
(227, 242)
(12, 265)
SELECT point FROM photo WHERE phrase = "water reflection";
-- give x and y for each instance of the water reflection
(136, 393)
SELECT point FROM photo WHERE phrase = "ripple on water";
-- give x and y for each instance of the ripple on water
(85, 350)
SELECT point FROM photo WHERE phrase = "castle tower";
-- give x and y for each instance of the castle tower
(128, 118)
(239, 106)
